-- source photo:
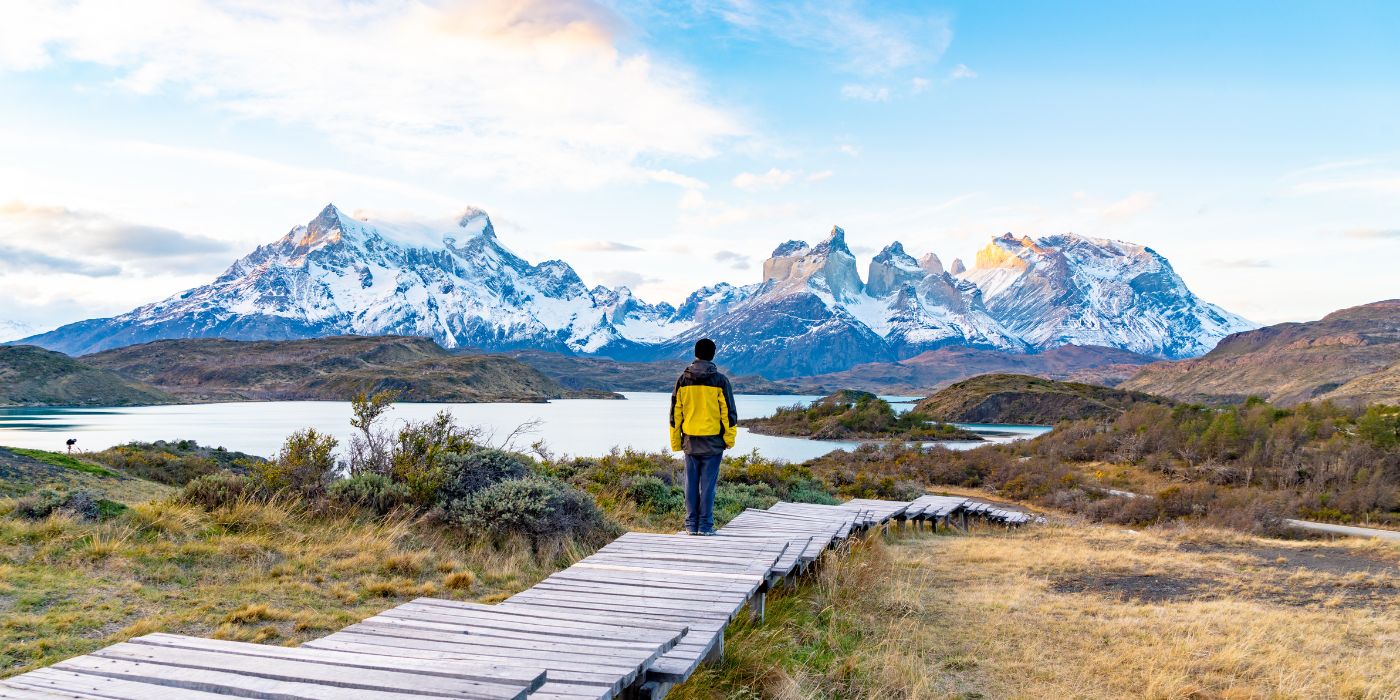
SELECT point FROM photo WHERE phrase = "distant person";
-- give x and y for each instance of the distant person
(703, 423)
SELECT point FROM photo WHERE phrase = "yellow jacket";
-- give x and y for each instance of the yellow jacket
(703, 419)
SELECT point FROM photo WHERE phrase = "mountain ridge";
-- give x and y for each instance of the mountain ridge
(454, 281)
(1351, 355)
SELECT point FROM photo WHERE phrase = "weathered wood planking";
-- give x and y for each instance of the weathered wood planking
(643, 612)
(175, 667)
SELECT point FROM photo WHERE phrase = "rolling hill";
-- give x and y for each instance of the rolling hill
(32, 376)
(1351, 355)
(328, 369)
(1021, 399)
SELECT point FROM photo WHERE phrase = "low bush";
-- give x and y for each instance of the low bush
(175, 463)
(536, 507)
(371, 491)
(656, 496)
(213, 491)
(418, 454)
(83, 505)
(466, 473)
(37, 506)
(305, 464)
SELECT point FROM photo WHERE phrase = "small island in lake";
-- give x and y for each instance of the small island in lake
(854, 415)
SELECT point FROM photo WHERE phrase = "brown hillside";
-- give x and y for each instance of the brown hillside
(928, 371)
(1352, 355)
(329, 369)
(1020, 399)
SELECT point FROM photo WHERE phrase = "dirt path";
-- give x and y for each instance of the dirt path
(1345, 530)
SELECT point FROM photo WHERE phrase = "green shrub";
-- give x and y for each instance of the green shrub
(731, 499)
(37, 506)
(656, 496)
(213, 491)
(175, 462)
(375, 492)
(418, 452)
(536, 507)
(466, 473)
(80, 504)
(305, 464)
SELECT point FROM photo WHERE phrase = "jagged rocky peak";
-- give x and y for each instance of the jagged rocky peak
(325, 229)
(930, 264)
(779, 265)
(957, 267)
(829, 267)
(891, 270)
(1006, 251)
(475, 222)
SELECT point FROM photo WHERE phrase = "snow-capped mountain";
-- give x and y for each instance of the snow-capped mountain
(452, 281)
(455, 282)
(1072, 290)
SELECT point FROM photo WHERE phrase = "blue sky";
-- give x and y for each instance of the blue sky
(669, 145)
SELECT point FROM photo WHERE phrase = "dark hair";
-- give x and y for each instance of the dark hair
(705, 349)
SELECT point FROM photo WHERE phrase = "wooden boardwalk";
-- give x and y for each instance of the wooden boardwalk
(635, 618)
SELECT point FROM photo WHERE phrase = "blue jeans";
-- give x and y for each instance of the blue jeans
(701, 475)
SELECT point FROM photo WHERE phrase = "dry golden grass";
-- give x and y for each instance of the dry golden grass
(1079, 612)
(262, 572)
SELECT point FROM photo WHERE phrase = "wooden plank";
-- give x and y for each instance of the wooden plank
(756, 578)
(676, 582)
(530, 679)
(453, 633)
(642, 592)
(686, 562)
(288, 670)
(460, 620)
(67, 684)
(604, 603)
(557, 671)
(249, 685)
(573, 668)
(639, 604)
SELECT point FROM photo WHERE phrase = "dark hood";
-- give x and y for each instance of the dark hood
(702, 368)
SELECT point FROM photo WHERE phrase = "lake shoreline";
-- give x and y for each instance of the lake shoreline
(577, 427)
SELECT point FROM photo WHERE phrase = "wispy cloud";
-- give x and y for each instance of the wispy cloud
(1240, 263)
(532, 92)
(703, 213)
(850, 150)
(1128, 207)
(735, 261)
(625, 278)
(866, 93)
(961, 72)
(602, 247)
(62, 240)
(1372, 234)
(14, 259)
(820, 175)
(671, 177)
(1382, 184)
(773, 179)
(860, 40)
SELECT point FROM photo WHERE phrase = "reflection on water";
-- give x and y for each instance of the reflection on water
(583, 427)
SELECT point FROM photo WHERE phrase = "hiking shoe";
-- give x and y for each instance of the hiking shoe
(705, 533)
(687, 532)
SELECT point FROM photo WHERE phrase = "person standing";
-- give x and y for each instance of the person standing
(703, 424)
